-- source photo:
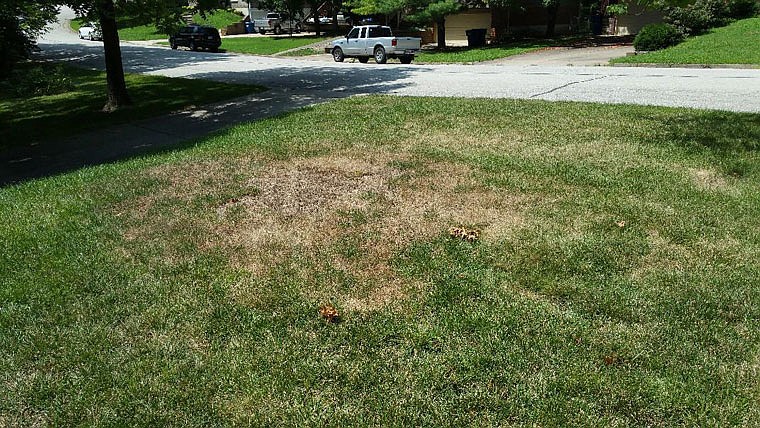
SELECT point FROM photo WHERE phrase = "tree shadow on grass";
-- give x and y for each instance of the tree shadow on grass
(720, 132)
(292, 88)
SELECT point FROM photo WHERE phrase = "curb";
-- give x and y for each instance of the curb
(666, 65)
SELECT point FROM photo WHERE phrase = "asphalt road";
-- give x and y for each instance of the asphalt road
(723, 89)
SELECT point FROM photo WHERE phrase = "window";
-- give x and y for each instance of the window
(354, 33)
(380, 32)
(364, 33)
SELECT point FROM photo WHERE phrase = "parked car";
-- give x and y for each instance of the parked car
(374, 40)
(343, 19)
(277, 23)
(90, 31)
(196, 37)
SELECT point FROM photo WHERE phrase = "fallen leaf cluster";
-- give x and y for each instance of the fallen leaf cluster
(469, 235)
(329, 313)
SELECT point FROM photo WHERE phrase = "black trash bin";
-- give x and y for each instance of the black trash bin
(596, 24)
(476, 37)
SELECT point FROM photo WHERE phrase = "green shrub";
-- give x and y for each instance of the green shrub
(702, 15)
(37, 81)
(741, 9)
(657, 36)
(699, 16)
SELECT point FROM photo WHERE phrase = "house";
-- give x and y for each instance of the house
(530, 18)
(635, 19)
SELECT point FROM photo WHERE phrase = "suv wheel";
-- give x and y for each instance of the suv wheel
(192, 46)
(277, 30)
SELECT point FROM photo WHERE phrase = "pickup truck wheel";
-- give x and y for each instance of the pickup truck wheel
(278, 30)
(406, 59)
(337, 54)
(380, 56)
(262, 31)
(363, 59)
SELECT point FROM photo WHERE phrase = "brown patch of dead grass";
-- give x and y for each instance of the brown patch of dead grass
(708, 179)
(302, 204)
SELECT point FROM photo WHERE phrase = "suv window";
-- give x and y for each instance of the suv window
(354, 33)
(364, 33)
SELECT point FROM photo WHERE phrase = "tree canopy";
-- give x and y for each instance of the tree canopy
(21, 22)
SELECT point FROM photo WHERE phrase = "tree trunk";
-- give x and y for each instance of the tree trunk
(335, 5)
(441, 30)
(315, 15)
(551, 18)
(117, 87)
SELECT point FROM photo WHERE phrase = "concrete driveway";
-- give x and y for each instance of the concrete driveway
(568, 56)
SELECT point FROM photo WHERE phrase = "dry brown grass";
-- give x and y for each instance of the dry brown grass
(310, 207)
(303, 205)
(710, 180)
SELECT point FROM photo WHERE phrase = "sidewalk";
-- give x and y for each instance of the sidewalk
(567, 56)
(142, 137)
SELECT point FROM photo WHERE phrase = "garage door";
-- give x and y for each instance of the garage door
(456, 25)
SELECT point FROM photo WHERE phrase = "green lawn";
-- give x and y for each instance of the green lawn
(738, 43)
(464, 54)
(615, 281)
(267, 45)
(132, 29)
(39, 118)
(305, 52)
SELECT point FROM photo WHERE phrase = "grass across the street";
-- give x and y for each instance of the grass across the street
(465, 54)
(320, 50)
(31, 119)
(267, 45)
(614, 281)
(738, 43)
(134, 29)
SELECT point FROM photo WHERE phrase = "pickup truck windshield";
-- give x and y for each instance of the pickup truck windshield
(379, 32)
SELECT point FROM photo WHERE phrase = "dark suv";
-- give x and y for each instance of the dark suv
(196, 37)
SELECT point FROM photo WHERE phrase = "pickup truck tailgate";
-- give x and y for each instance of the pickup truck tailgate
(407, 43)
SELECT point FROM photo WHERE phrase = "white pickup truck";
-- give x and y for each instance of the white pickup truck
(374, 41)
(276, 23)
